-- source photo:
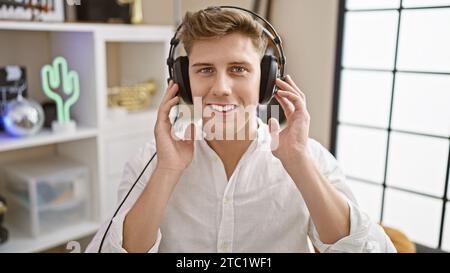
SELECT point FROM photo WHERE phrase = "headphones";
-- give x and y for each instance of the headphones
(271, 69)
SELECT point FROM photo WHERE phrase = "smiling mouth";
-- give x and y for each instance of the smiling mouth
(222, 108)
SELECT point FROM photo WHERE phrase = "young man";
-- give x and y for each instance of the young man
(267, 192)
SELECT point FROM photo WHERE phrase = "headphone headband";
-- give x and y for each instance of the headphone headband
(275, 38)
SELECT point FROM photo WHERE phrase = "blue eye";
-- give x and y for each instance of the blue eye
(238, 69)
(206, 70)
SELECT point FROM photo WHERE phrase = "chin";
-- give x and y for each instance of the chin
(224, 128)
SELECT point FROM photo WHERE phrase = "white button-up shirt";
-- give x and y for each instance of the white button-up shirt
(259, 209)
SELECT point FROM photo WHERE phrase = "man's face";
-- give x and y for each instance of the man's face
(225, 72)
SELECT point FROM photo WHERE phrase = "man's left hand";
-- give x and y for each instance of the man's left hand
(290, 142)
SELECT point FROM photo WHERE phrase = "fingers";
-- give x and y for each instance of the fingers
(189, 133)
(289, 95)
(289, 85)
(295, 99)
(289, 80)
(172, 90)
(274, 126)
(287, 106)
(170, 99)
(274, 129)
(164, 109)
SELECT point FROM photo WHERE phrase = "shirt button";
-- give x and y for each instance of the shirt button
(226, 200)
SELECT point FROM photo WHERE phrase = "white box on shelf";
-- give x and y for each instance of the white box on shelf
(45, 194)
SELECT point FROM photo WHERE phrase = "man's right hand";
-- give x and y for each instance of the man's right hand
(141, 224)
(173, 154)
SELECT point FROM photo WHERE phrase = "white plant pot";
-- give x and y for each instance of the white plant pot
(64, 127)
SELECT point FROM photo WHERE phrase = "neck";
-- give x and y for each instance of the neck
(231, 151)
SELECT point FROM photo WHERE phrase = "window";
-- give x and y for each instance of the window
(391, 122)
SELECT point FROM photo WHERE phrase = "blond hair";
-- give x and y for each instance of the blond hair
(213, 23)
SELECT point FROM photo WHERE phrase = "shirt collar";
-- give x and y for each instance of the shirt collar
(261, 142)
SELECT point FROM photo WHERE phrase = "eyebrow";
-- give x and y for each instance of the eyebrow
(241, 63)
(232, 63)
(202, 64)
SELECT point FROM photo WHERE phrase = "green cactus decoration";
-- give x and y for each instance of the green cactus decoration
(56, 76)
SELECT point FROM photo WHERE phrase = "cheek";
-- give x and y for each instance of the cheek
(249, 91)
(198, 87)
(255, 85)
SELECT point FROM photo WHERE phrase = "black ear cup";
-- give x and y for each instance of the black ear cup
(181, 77)
(269, 70)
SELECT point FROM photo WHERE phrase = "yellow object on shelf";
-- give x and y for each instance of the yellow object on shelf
(137, 16)
(133, 98)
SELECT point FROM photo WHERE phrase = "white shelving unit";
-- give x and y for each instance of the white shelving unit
(44, 137)
(103, 55)
(22, 244)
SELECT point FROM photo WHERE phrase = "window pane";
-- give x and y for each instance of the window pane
(365, 97)
(417, 216)
(424, 40)
(369, 198)
(362, 152)
(446, 238)
(372, 4)
(422, 103)
(448, 188)
(417, 163)
(424, 3)
(369, 39)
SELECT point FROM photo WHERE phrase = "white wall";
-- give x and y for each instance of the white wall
(161, 12)
(308, 30)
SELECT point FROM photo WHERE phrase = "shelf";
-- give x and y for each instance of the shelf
(45, 26)
(110, 32)
(77, 27)
(45, 137)
(18, 243)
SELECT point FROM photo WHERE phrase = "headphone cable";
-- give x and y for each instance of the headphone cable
(129, 191)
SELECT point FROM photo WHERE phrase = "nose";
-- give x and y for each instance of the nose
(221, 85)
